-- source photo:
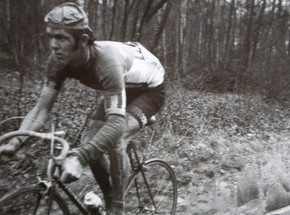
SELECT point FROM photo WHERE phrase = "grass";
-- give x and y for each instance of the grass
(210, 139)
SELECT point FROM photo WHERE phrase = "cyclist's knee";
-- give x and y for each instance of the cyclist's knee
(132, 126)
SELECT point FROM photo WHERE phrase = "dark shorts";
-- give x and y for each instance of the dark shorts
(142, 104)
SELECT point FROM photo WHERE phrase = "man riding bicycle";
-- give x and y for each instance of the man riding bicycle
(130, 80)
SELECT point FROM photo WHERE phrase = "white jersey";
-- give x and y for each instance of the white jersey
(146, 68)
(142, 67)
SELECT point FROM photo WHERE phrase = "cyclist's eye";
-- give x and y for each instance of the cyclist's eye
(49, 36)
(58, 37)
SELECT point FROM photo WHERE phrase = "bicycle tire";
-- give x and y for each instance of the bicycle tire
(21, 202)
(162, 186)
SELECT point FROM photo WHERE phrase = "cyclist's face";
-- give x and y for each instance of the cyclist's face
(62, 44)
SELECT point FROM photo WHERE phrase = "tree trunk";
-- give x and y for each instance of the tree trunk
(161, 25)
(104, 30)
(135, 21)
(248, 39)
(113, 19)
(142, 22)
(124, 22)
(259, 23)
(229, 29)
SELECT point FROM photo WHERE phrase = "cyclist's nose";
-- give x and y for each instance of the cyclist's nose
(54, 44)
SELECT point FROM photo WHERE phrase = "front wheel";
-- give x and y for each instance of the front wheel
(152, 190)
(33, 201)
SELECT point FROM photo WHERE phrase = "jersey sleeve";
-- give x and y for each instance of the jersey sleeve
(55, 74)
(113, 88)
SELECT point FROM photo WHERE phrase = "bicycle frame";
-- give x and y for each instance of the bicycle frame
(136, 167)
(52, 183)
(51, 189)
(72, 196)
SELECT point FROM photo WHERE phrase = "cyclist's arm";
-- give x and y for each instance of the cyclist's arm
(38, 115)
(115, 104)
(55, 76)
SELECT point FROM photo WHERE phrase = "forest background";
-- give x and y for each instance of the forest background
(227, 75)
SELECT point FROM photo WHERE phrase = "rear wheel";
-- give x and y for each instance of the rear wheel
(152, 190)
(32, 201)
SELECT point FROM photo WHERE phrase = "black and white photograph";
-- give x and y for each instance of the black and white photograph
(130, 107)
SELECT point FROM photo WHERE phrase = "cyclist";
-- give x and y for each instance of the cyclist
(130, 80)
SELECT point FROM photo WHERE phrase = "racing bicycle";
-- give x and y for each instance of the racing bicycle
(151, 188)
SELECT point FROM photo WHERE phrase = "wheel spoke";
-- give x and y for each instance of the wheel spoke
(31, 201)
(156, 193)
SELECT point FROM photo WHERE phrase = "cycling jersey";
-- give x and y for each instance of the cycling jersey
(111, 68)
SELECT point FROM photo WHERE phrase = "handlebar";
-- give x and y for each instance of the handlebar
(48, 136)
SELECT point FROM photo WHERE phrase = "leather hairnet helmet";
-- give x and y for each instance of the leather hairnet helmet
(68, 16)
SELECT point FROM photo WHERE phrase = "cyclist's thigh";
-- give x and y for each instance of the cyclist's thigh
(147, 104)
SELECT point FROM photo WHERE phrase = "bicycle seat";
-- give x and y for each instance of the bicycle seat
(151, 120)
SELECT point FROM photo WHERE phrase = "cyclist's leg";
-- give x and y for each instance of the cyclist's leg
(120, 163)
(100, 167)
(118, 158)
(101, 171)
(140, 109)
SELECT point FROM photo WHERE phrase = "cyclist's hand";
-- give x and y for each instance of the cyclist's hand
(72, 169)
(9, 149)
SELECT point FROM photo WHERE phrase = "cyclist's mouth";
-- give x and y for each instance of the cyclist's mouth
(58, 56)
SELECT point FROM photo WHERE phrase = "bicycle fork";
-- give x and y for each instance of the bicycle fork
(49, 191)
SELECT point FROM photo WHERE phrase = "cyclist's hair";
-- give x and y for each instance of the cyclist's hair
(77, 34)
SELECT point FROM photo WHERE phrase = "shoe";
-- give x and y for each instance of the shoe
(93, 203)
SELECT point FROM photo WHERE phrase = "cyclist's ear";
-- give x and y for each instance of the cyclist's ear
(84, 39)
